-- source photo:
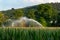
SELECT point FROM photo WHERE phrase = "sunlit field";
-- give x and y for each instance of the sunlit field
(30, 33)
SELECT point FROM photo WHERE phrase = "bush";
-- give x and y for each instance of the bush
(29, 34)
(43, 21)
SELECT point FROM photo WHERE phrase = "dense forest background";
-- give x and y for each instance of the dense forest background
(47, 14)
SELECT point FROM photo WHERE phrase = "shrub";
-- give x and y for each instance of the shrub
(43, 21)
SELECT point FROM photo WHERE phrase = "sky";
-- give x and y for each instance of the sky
(8, 4)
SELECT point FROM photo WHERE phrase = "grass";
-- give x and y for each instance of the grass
(31, 33)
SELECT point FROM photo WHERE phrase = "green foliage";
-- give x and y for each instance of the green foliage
(29, 34)
(47, 11)
(31, 14)
(43, 21)
(17, 13)
(58, 19)
(3, 18)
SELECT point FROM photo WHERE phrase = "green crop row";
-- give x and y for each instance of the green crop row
(29, 34)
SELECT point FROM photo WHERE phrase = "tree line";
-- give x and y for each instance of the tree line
(45, 14)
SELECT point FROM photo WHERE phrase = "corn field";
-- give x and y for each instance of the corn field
(29, 33)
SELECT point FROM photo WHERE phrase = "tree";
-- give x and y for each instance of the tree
(58, 19)
(43, 21)
(17, 14)
(3, 18)
(48, 12)
(31, 14)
